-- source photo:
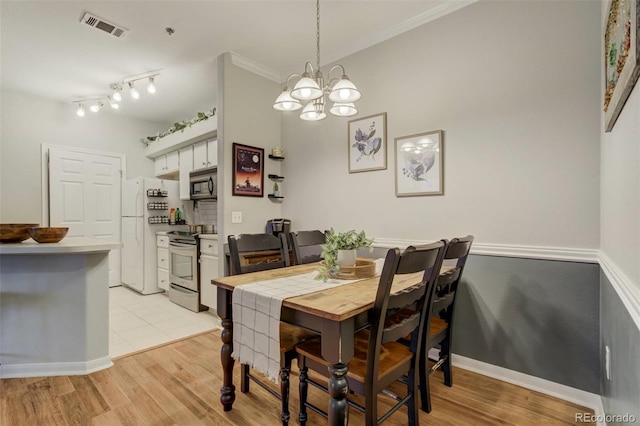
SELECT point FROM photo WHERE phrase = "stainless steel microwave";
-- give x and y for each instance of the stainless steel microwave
(203, 184)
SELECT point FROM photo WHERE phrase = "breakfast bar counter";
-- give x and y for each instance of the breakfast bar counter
(54, 307)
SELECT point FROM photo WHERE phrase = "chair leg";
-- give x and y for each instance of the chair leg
(244, 378)
(371, 404)
(446, 365)
(284, 390)
(424, 383)
(302, 389)
(412, 407)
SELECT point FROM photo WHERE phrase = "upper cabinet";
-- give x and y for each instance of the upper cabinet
(186, 167)
(167, 164)
(205, 154)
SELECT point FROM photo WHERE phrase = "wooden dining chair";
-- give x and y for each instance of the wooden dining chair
(440, 318)
(290, 335)
(379, 360)
(306, 246)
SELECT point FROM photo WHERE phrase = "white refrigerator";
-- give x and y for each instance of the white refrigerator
(139, 253)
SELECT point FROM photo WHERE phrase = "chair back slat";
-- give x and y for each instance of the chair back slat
(426, 259)
(255, 243)
(306, 246)
(458, 247)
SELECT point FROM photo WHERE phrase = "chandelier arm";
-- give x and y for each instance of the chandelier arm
(308, 65)
(337, 66)
(289, 78)
(318, 34)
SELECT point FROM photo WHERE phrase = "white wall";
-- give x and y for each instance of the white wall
(514, 86)
(246, 117)
(29, 121)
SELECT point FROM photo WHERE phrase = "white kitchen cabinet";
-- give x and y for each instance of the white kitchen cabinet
(162, 243)
(167, 164)
(205, 154)
(186, 167)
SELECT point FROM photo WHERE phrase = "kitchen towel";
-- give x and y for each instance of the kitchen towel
(256, 317)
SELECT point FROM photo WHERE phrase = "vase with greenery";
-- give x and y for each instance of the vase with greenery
(276, 189)
(335, 242)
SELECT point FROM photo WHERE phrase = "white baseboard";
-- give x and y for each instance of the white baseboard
(54, 368)
(576, 396)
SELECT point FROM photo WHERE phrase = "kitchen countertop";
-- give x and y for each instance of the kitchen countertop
(208, 236)
(66, 246)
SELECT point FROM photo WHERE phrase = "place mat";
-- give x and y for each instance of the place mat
(256, 317)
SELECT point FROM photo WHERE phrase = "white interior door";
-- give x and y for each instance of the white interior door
(84, 195)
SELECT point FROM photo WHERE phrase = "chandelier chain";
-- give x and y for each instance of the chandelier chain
(318, 34)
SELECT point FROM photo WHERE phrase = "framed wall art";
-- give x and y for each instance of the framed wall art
(248, 170)
(419, 164)
(368, 143)
(621, 57)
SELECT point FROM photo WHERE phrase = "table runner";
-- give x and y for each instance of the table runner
(256, 317)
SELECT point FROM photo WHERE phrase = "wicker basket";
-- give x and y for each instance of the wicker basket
(364, 268)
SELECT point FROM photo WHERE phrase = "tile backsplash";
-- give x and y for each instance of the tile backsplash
(207, 212)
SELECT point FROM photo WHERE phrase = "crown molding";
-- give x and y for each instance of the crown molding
(371, 39)
(255, 67)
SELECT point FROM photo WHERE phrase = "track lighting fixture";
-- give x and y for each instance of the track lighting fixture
(115, 93)
(133, 91)
(151, 87)
(96, 107)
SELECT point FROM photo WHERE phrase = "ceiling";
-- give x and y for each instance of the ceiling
(48, 52)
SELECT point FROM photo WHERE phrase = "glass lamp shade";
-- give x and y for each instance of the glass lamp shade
(309, 113)
(306, 90)
(344, 91)
(285, 102)
(343, 109)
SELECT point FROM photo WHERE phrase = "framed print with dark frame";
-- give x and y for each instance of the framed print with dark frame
(248, 170)
(367, 139)
(419, 164)
(621, 57)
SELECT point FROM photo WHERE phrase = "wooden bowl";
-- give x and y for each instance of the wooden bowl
(15, 232)
(48, 234)
(364, 268)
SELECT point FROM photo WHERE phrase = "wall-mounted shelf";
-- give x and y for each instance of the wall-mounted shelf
(275, 177)
(275, 157)
(275, 197)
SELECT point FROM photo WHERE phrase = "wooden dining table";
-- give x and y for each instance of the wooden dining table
(334, 313)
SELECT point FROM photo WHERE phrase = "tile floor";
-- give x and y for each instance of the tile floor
(138, 322)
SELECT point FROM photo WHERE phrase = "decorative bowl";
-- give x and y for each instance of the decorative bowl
(48, 234)
(15, 232)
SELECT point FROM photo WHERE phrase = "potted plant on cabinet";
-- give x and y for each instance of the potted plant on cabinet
(340, 250)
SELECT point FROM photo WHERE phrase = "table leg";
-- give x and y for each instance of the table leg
(228, 390)
(337, 348)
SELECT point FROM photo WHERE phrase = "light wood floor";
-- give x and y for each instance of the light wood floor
(178, 384)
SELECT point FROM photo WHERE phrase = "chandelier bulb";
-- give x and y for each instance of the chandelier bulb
(80, 110)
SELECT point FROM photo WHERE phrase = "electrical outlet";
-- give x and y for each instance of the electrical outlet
(607, 361)
(236, 217)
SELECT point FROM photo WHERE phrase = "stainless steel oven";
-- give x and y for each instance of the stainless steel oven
(183, 270)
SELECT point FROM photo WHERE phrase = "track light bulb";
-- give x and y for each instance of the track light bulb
(112, 102)
(80, 110)
(151, 87)
(133, 91)
(96, 107)
(117, 96)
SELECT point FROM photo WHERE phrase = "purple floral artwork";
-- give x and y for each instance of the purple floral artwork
(367, 144)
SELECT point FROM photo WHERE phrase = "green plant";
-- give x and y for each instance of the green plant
(340, 241)
(275, 188)
(179, 126)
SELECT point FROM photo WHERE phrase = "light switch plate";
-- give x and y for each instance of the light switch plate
(236, 217)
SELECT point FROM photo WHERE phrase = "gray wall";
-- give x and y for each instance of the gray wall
(621, 394)
(520, 108)
(538, 317)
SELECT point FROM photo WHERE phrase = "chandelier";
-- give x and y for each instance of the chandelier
(311, 89)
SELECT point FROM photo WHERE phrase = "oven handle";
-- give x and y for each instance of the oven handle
(183, 248)
(181, 290)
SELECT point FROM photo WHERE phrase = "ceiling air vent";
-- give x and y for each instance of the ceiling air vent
(101, 24)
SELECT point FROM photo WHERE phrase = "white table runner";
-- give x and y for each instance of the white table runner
(256, 317)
